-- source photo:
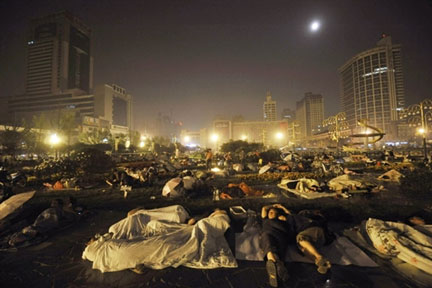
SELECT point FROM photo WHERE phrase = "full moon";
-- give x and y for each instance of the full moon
(314, 26)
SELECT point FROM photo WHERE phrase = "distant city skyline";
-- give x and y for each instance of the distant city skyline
(198, 59)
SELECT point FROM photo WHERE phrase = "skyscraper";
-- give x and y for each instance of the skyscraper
(269, 108)
(372, 86)
(288, 114)
(114, 104)
(310, 114)
(59, 67)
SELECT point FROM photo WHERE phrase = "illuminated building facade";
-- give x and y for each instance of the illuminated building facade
(310, 114)
(114, 104)
(372, 87)
(269, 108)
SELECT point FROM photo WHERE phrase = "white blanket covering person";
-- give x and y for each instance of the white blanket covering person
(158, 239)
(401, 241)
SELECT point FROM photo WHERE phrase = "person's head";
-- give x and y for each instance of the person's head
(70, 202)
(217, 212)
(273, 213)
(416, 220)
(56, 203)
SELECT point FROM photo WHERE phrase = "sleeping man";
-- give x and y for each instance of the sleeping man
(159, 238)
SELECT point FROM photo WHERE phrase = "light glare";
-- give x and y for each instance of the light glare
(54, 139)
(279, 135)
(214, 137)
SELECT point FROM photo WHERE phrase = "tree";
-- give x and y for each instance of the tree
(238, 145)
(67, 123)
(95, 137)
(12, 139)
(41, 125)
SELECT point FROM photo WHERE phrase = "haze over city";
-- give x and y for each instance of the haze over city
(194, 60)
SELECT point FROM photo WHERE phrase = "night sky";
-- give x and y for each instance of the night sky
(195, 59)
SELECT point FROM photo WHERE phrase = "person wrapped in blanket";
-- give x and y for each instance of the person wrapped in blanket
(280, 228)
(59, 214)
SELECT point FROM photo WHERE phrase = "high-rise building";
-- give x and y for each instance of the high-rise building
(59, 67)
(310, 114)
(288, 114)
(372, 86)
(269, 108)
(114, 104)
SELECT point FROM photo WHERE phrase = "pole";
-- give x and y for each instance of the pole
(423, 120)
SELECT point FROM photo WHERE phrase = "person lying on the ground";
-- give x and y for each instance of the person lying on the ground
(64, 183)
(159, 239)
(58, 215)
(279, 229)
(186, 218)
(348, 171)
(239, 190)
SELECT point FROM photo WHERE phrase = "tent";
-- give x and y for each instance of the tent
(172, 188)
(10, 205)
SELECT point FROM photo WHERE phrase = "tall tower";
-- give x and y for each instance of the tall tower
(310, 114)
(372, 86)
(58, 56)
(59, 66)
(269, 108)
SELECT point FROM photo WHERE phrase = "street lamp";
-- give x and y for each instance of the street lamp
(279, 135)
(419, 115)
(54, 140)
(243, 137)
(186, 139)
(215, 137)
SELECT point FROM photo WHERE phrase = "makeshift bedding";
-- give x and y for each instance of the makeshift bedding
(341, 251)
(10, 205)
(302, 188)
(157, 241)
(401, 241)
(408, 269)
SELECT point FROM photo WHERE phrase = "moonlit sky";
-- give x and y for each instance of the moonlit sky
(195, 59)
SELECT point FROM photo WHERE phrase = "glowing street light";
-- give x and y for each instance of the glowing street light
(214, 137)
(141, 144)
(127, 144)
(54, 139)
(143, 138)
(279, 135)
(187, 139)
(243, 137)
(420, 114)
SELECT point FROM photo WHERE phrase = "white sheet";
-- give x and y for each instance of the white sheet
(304, 193)
(163, 243)
(402, 241)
